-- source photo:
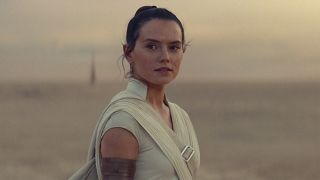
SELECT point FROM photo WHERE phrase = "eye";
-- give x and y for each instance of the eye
(152, 46)
(175, 47)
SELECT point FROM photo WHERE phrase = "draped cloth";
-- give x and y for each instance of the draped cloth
(179, 146)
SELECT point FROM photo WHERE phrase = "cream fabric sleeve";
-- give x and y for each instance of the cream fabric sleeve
(124, 120)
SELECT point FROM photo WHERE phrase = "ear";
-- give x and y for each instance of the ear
(126, 53)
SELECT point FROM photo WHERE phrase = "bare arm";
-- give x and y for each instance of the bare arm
(119, 150)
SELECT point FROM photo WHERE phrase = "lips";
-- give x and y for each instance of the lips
(164, 69)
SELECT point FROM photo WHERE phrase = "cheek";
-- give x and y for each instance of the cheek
(144, 66)
(177, 62)
(141, 60)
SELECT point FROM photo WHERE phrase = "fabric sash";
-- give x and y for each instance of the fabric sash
(171, 143)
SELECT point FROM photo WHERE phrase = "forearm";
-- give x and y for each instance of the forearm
(118, 169)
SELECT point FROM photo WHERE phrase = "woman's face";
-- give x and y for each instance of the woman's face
(158, 52)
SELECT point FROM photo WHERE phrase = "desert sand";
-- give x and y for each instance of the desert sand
(246, 131)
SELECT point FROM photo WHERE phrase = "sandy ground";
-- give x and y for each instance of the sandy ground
(246, 131)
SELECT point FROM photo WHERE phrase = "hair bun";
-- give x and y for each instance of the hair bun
(144, 8)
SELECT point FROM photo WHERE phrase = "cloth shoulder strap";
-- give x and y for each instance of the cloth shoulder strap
(186, 139)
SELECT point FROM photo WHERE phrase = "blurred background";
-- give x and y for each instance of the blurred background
(233, 40)
(250, 80)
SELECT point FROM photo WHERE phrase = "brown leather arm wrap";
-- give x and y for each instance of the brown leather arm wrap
(118, 169)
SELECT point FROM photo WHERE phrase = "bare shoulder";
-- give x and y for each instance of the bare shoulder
(119, 143)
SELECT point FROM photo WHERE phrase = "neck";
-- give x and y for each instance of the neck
(155, 96)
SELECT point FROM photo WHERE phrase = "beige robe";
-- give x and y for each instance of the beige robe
(179, 148)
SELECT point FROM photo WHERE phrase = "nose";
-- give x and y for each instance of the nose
(164, 57)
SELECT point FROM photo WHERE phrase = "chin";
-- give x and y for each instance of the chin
(156, 80)
(164, 80)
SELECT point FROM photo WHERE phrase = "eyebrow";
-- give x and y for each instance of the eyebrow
(156, 41)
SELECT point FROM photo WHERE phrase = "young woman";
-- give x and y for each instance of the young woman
(141, 135)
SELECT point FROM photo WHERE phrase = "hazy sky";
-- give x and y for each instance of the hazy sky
(230, 39)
